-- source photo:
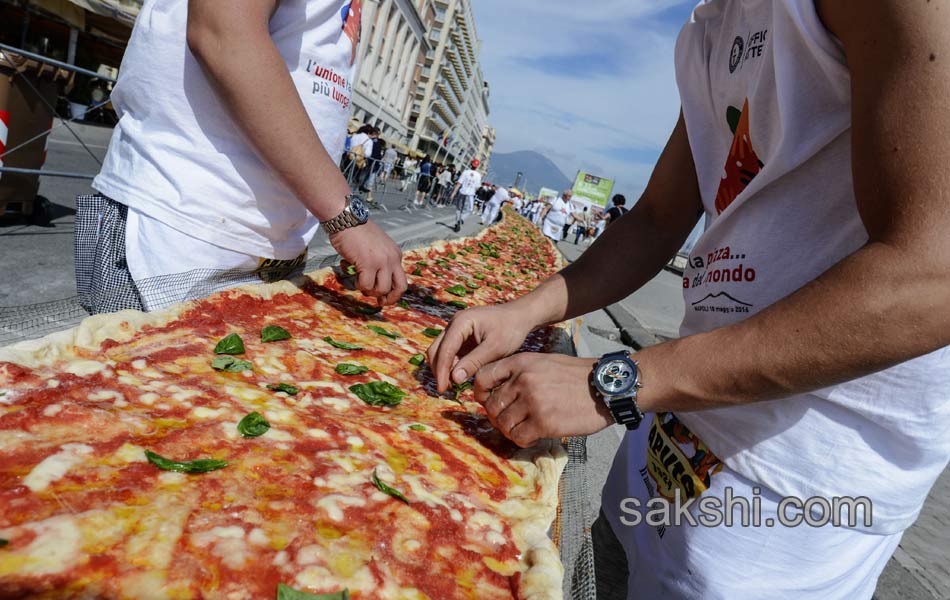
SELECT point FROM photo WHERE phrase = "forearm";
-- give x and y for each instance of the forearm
(877, 308)
(248, 72)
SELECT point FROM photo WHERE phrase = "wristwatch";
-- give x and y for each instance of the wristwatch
(616, 379)
(354, 214)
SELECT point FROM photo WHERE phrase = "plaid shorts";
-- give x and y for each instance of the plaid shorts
(103, 280)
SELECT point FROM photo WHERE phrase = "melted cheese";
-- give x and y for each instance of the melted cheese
(228, 545)
(83, 368)
(332, 503)
(55, 549)
(55, 466)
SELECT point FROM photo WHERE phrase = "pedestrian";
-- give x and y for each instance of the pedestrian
(197, 179)
(814, 366)
(445, 184)
(464, 193)
(425, 181)
(493, 206)
(582, 224)
(556, 215)
(617, 210)
(389, 161)
(409, 169)
(376, 164)
(361, 152)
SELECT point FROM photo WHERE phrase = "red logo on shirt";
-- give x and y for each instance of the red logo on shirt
(352, 16)
(743, 163)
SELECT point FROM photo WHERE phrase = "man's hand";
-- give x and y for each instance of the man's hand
(530, 397)
(474, 338)
(378, 261)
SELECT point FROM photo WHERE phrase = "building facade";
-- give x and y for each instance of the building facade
(393, 46)
(448, 118)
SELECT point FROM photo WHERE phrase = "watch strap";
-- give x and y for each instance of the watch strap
(342, 221)
(626, 412)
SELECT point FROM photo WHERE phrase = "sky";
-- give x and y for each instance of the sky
(588, 84)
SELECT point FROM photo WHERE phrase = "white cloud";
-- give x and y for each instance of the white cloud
(589, 84)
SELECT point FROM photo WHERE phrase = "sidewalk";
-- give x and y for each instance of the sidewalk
(919, 569)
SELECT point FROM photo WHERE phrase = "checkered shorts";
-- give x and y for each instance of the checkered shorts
(102, 274)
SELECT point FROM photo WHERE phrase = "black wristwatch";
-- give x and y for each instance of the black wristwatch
(354, 214)
(616, 378)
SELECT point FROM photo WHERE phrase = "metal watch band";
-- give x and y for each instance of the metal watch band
(626, 412)
(344, 220)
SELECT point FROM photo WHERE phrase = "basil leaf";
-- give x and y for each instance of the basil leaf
(479, 276)
(348, 369)
(422, 263)
(442, 262)
(3, 542)
(290, 390)
(402, 304)
(459, 388)
(229, 364)
(431, 332)
(193, 466)
(378, 393)
(369, 310)
(450, 256)
(383, 332)
(285, 592)
(253, 425)
(457, 290)
(508, 274)
(417, 427)
(430, 301)
(496, 286)
(351, 270)
(230, 344)
(417, 360)
(489, 268)
(341, 345)
(388, 490)
(471, 285)
(457, 304)
(417, 272)
(274, 333)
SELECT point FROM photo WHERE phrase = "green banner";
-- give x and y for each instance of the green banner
(593, 188)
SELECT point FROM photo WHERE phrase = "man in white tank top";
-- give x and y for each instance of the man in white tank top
(232, 123)
(812, 381)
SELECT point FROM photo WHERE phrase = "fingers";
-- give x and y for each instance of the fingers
(399, 283)
(366, 281)
(383, 284)
(493, 376)
(444, 350)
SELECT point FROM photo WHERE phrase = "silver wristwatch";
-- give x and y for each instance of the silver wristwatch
(354, 214)
(616, 378)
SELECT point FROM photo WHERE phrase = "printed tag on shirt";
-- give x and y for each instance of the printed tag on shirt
(676, 458)
(270, 269)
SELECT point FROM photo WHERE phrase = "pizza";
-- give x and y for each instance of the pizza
(277, 441)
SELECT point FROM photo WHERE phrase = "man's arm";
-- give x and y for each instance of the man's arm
(232, 43)
(662, 220)
(896, 288)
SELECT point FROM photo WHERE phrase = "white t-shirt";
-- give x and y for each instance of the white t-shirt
(390, 157)
(469, 182)
(445, 177)
(780, 213)
(557, 216)
(362, 139)
(177, 156)
(500, 197)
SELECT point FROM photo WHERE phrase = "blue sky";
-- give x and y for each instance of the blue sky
(588, 84)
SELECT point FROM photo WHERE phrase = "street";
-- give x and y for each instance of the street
(37, 267)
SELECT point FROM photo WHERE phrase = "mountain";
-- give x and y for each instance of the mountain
(538, 171)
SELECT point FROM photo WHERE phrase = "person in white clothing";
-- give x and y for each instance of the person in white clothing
(389, 161)
(197, 177)
(464, 193)
(555, 216)
(490, 212)
(807, 400)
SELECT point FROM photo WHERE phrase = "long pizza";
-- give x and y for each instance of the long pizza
(277, 441)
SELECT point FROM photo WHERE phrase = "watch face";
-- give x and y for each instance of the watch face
(616, 377)
(359, 209)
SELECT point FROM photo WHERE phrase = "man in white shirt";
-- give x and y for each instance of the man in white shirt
(490, 212)
(197, 177)
(389, 161)
(783, 444)
(555, 215)
(469, 182)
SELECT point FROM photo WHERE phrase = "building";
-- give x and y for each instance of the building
(449, 115)
(487, 145)
(393, 46)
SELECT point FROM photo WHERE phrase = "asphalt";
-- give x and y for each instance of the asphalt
(37, 266)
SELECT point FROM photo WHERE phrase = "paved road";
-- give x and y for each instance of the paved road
(38, 267)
